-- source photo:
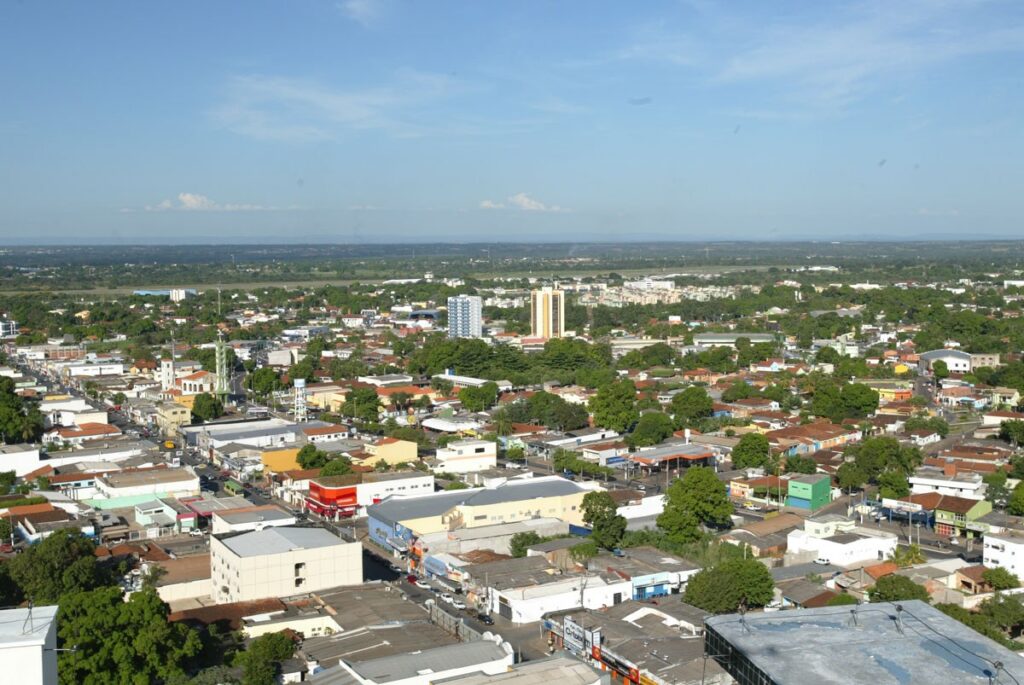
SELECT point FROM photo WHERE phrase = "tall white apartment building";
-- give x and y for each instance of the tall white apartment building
(465, 316)
(547, 313)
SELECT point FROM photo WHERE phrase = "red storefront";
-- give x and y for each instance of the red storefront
(334, 496)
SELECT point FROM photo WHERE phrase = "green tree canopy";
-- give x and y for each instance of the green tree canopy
(601, 514)
(614, 406)
(261, 658)
(894, 588)
(62, 563)
(339, 466)
(690, 405)
(752, 451)
(521, 541)
(207, 407)
(726, 587)
(128, 643)
(697, 499)
(1000, 579)
(310, 457)
(651, 429)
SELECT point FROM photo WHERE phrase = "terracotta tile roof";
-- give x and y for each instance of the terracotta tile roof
(325, 430)
(886, 568)
(230, 613)
(973, 572)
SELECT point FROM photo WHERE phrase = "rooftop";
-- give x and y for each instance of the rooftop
(159, 476)
(879, 644)
(17, 628)
(278, 540)
(437, 660)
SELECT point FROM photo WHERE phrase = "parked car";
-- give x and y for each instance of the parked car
(196, 533)
(822, 561)
(485, 619)
(458, 603)
(446, 598)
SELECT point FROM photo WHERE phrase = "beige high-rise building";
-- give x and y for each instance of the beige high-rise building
(547, 313)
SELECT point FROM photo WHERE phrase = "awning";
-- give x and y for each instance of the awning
(398, 543)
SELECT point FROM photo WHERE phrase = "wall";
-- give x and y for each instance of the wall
(187, 590)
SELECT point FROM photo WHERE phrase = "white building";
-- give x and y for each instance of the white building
(8, 328)
(529, 602)
(466, 456)
(250, 518)
(28, 644)
(157, 482)
(489, 657)
(968, 485)
(1001, 551)
(21, 459)
(547, 313)
(465, 316)
(279, 562)
(840, 541)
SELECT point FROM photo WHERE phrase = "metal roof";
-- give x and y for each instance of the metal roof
(437, 660)
(278, 540)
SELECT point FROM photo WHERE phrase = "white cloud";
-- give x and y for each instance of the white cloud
(521, 201)
(364, 12)
(194, 202)
(292, 109)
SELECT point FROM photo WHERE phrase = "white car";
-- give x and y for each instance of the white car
(822, 561)
(446, 598)
(458, 603)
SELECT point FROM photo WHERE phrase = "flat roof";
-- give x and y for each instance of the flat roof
(16, 628)
(278, 540)
(561, 669)
(270, 512)
(128, 479)
(437, 660)
(919, 644)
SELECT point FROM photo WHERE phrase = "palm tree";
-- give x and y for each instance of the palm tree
(502, 423)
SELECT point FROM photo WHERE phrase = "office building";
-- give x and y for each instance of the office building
(465, 316)
(547, 313)
(281, 561)
(8, 328)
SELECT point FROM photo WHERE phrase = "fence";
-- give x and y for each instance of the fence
(452, 623)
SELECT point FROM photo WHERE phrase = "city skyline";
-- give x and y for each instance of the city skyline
(372, 121)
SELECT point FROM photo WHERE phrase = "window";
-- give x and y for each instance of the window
(299, 569)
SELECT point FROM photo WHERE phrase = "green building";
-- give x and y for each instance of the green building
(811, 492)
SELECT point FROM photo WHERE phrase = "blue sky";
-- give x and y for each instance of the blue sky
(380, 120)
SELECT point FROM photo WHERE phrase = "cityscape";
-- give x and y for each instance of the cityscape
(370, 342)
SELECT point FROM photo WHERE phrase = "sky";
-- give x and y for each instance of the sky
(375, 121)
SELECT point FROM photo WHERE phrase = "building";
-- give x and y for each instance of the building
(281, 561)
(959, 517)
(561, 669)
(8, 328)
(170, 416)
(77, 435)
(397, 521)
(957, 361)
(465, 316)
(839, 541)
(547, 313)
(1000, 551)
(349, 495)
(947, 481)
(466, 456)
(391, 451)
(250, 518)
(128, 488)
(911, 642)
(809, 492)
(28, 645)
(488, 657)
(729, 339)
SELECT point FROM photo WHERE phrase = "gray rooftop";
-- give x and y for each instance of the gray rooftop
(17, 629)
(437, 660)
(921, 646)
(254, 515)
(278, 540)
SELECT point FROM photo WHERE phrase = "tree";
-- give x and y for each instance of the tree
(456, 485)
(858, 400)
(261, 658)
(115, 641)
(362, 404)
(5, 529)
(893, 484)
(381, 466)
(401, 400)
(851, 476)
(697, 499)
(940, 369)
(737, 391)
(895, 588)
(515, 453)
(309, 457)
(479, 399)
(339, 466)
(800, 464)
(442, 386)
(207, 407)
(651, 429)
(1012, 432)
(521, 541)
(614, 406)
(691, 404)
(263, 381)
(502, 423)
(841, 599)
(1000, 579)
(1016, 503)
(752, 451)
(908, 556)
(601, 514)
(726, 587)
(62, 563)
